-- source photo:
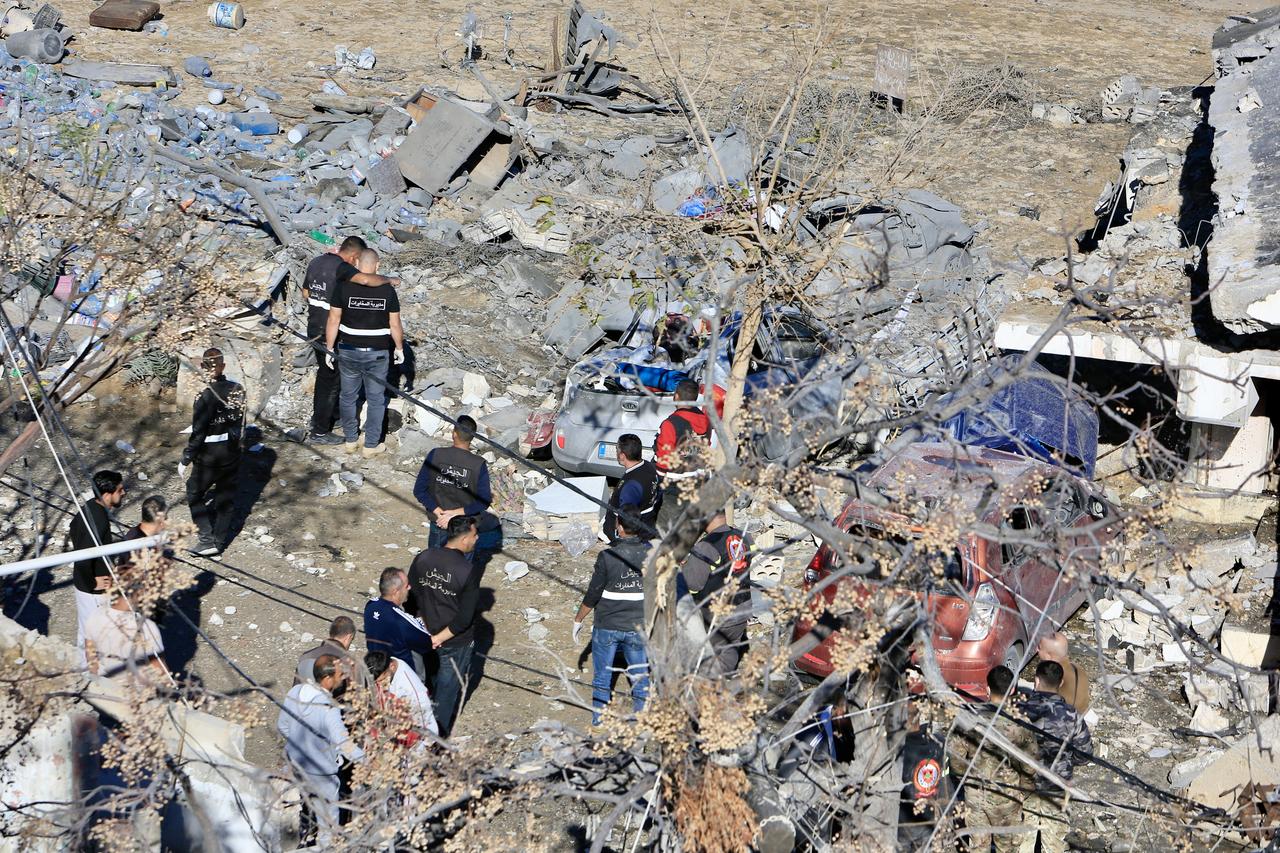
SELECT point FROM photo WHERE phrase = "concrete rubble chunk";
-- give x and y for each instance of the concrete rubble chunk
(385, 179)
(1185, 772)
(1208, 719)
(416, 444)
(1251, 759)
(1241, 255)
(475, 388)
(1257, 649)
(1224, 555)
(522, 277)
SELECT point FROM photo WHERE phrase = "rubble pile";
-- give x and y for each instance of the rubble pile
(1162, 628)
(494, 220)
(1138, 253)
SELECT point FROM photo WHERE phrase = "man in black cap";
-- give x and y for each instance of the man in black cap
(324, 273)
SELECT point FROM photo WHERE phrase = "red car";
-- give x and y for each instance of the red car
(1017, 522)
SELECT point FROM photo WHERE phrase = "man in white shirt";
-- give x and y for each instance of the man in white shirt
(316, 740)
(120, 643)
(402, 682)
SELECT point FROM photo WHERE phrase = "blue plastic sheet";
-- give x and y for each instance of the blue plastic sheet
(1037, 415)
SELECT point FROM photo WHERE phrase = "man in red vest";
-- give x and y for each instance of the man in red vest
(680, 451)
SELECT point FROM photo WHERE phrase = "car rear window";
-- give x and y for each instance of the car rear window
(889, 550)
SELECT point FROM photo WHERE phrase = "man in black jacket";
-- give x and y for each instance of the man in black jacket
(213, 456)
(91, 527)
(446, 587)
(324, 274)
(719, 567)
(616, 593)
(638, 487)
(453, 482)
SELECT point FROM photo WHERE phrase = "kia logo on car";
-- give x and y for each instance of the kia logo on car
(366, 304)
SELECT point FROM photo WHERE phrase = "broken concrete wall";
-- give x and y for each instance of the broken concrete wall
(54, 763)
(1244, 278)
(1243, 39)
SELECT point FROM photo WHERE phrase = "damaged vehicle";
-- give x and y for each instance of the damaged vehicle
(902, 277)
(1016, 573)
(629, 389)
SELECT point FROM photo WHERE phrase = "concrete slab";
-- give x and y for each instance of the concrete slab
(1244, 277)
(447, 138)
(558, 499)
(1220, 508)
(1256, 649)
(1254, 758)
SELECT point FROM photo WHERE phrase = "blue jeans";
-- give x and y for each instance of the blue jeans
(358, 369)
(604, 648)
(454, 666)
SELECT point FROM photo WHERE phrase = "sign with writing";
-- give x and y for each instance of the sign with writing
(893, 70)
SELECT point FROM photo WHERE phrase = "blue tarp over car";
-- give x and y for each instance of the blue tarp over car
(1037, 415)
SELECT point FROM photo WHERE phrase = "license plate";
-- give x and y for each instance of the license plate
(602, 450)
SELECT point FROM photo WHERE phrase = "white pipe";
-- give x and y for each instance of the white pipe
(83, 554)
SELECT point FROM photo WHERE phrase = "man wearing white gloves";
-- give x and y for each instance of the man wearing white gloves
(616, 593)
(364, 335)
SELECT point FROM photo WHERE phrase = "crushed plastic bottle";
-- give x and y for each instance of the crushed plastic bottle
(197, 66)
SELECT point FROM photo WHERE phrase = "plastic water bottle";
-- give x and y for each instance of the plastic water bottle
(298, 133)
(124, 446)
(259, 124)
(197, 66)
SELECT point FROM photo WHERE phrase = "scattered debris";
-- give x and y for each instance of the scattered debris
(124, 14)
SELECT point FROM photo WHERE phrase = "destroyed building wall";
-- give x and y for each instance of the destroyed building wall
(56, 763)
(1244, 111)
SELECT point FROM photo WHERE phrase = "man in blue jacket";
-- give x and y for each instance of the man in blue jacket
(388, 628)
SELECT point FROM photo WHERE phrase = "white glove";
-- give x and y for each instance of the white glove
(183, 468)
(328, 360)
(398, 357)
(577, 629)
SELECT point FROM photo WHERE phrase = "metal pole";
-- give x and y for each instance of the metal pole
(50, 560)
